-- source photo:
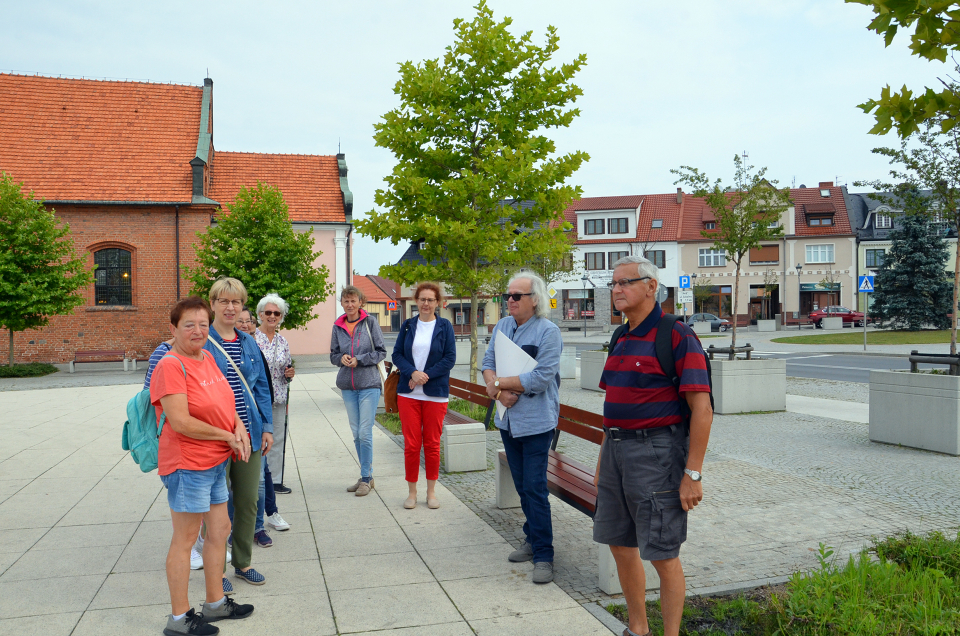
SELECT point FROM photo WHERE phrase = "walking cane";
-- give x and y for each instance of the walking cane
(286, 435)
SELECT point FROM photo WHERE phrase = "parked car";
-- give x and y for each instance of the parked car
(716, 323)
(836, 311)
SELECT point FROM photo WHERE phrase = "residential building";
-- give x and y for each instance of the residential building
(381, 302)
(132, 168)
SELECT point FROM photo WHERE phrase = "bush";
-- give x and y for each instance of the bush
(29, 370)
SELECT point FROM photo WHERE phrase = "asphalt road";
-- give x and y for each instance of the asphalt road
(844, 368)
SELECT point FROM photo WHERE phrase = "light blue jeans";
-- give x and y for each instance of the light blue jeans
(361, 410)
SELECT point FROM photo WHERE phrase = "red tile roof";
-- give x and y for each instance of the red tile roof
(652, 206)
(373, 293)
(69, 139)
(389, 287)
(310, 183)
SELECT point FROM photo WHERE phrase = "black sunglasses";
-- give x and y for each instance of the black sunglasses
(516, 297)
(273, 313)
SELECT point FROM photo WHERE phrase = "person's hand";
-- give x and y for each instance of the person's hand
(240, 443)
(412, 385)
(266, 443)
(508, 398)
(691, 493)
(419, 377)
(492, 390)
(348, 360)
(289, 372)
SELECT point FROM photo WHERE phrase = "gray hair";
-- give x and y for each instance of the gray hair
(539, 290)
(645, 268)
(273, 299)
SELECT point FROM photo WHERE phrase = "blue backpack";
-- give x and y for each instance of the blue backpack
(141, 432)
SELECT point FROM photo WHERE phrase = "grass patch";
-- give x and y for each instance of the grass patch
(855, 336)
(28, 370)
(391, 421)
(904, 584)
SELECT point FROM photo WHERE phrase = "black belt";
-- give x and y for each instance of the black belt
(637, 433)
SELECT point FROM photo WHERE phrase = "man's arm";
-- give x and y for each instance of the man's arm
(701, 419)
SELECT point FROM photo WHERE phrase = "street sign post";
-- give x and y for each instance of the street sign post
(552, 292)
(685, 296)
(684, 282)
(553, 303)
(865, 285)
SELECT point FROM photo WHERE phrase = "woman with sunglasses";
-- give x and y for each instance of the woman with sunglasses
(424, 353)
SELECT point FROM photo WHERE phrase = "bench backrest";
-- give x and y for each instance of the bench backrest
(582, 424)
(476, 393)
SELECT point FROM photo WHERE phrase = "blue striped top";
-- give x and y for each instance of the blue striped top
(235, 351)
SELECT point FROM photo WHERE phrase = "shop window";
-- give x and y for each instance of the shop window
(578, 304)
(113, 282)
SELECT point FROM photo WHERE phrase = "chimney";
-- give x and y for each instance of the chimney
(679, 196)
(826, 184)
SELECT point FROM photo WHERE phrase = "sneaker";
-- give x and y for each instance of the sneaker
(364, 488)
(191, 624)
(521, 554)
(229, 609)
(543, 572)
(276, 521)
(263, 539)
(280, 489)
(229, 543)
(251, 576)
(196, 560)
(227, 587)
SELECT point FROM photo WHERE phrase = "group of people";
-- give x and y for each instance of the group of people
(224, 393)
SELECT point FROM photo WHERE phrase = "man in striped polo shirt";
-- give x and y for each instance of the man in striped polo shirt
(648, 472)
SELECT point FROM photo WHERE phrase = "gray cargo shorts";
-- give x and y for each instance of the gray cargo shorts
(638, 493)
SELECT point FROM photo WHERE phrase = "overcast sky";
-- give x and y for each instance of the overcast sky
(666, 83)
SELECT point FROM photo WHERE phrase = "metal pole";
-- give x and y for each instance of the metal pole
(866, 309)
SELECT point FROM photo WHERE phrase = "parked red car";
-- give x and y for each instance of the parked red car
(836, 311)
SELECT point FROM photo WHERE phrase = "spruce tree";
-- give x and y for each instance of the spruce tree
(912, 288)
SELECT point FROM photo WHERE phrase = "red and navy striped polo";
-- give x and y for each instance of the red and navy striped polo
(639, 394)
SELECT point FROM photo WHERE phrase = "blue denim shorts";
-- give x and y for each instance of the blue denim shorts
(196, 490)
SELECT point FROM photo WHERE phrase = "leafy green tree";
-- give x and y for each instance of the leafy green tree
(911, 288)
(40, 273)
(468, 134)
(256, 244)
(702, 291)
(935, 34)
(747, 212)
(928, 160)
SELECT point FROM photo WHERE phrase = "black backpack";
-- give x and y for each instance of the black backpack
(664, 347)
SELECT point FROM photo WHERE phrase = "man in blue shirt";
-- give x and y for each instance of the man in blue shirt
(533, 405)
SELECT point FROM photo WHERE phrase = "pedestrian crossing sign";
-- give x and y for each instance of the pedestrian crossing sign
(866, 284)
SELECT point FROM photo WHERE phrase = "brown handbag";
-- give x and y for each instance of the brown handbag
(390, 391)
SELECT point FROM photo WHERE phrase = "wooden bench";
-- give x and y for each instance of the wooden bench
(97, 356)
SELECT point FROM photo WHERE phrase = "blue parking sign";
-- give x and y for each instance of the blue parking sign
(684, 282)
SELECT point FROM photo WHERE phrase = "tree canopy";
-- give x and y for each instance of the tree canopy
(469, 134)
(256, 244)
(747, 212)
(40, 273)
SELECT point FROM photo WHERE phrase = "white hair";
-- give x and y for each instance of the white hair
(645, 268)
(539, 290)
(273, 299)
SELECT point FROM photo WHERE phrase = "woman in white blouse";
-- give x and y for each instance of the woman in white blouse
(424, 353)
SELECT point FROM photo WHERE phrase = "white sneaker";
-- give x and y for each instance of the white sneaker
(277, 522)
(196, 560)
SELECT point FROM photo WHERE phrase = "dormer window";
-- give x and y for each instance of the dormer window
(422, 245)
(657, 223)
(618, 226)
(710, 225)
(883, 222)
(819, 221)
(824, 192)
(593, 226)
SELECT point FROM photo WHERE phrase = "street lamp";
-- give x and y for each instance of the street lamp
(583, 303)
(799, 303)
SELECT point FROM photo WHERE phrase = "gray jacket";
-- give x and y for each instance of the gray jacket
(365, 375)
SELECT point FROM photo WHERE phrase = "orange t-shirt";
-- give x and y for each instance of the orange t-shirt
(209, 399)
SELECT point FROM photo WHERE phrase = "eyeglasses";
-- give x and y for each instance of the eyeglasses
(223, 302)
(272, 313)
(426, 300)
(516, 297)
(625, 282)
(244, 322)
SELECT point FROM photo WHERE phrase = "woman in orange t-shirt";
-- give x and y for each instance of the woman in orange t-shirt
(202, 431)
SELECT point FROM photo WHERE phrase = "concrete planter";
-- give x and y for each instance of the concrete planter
(568, 363)
(741, 386)
(919, 410)
(831, 323)
(766, 325)
(591, 367)
(701, 328)
(464, 447)
(463, 352)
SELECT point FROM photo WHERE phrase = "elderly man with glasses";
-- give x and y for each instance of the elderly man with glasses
(656, 431)
(533, 405)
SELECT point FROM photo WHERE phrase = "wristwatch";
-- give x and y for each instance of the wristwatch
(694, 475)
(496, 382)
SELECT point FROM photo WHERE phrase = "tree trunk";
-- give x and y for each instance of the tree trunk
(953, 318)
(11, 332)
(736, 299)
(473, 336)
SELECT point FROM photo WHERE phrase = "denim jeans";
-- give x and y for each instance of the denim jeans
(361, 410)
(527, 457)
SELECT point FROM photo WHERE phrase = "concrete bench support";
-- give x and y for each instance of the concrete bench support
(610, 580)
(507, 496)
(464, 447)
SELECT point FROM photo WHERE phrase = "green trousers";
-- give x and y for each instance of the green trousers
(243, 479)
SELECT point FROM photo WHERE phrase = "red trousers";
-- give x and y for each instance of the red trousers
(422, 424)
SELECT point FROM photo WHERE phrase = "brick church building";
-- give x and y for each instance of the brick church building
(132, 168)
